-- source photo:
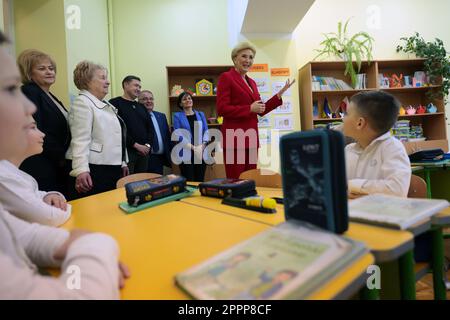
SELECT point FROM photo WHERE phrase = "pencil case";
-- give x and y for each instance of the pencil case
(221, 188)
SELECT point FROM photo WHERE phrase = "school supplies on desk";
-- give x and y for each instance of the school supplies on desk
(125, 206)
(260, 204)
(429, 155)
(393, 212)
(314, 179)
(289, 261)
(139, 192)
(221, 188)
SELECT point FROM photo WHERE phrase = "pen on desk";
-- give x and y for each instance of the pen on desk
(265, 205)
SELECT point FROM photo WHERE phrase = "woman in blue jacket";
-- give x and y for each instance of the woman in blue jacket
(194, 138)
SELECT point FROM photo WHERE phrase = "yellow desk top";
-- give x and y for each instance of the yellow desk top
(385, 244)
(159, 242)
(442, 218)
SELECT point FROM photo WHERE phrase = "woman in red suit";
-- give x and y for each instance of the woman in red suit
(239, 103)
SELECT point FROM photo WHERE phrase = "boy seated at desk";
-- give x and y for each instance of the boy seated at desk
(19, 192)
(377, 162)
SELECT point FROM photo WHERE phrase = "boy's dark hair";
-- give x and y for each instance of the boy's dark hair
(380, 108)
(3, 38)
(128, 79)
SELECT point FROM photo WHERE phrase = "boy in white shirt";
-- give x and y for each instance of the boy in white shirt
(19, 193)
(377, 162)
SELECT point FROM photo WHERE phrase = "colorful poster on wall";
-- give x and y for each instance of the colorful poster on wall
(263, 122)
(277, 85)
(284, 123)
(280, 72)
(262, 84)
(262, 67)
(286, 107)
(264, 97)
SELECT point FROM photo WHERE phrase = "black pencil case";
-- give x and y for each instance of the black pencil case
(221, 188)
(139, 192)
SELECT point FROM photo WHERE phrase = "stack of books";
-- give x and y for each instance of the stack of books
(401, 130)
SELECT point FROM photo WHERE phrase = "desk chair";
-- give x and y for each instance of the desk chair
(417, 187)
(135, 177)
(263, 178)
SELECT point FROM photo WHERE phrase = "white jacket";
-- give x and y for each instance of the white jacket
(24, 245)
(20, 196)
(382, 167)
(96, 134)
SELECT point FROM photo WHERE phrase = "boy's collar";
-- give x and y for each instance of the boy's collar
(383, 137)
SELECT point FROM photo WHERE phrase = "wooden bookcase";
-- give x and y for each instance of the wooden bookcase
(433, 124)
(187, 76)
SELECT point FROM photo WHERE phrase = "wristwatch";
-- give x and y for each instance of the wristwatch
(148, 145)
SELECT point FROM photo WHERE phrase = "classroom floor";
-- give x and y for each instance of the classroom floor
(424, 287)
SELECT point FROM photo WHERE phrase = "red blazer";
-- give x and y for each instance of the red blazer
(234, 98)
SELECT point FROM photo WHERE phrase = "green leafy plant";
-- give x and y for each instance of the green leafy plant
(437, 63)
(349, 48)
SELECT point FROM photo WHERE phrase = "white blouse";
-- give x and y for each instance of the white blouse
(20, 196)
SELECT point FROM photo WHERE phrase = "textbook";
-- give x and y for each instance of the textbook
(289, 261)
(393, 212)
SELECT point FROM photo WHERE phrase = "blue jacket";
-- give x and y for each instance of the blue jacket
(180, 121)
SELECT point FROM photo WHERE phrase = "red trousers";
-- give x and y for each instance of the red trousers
(240, 160)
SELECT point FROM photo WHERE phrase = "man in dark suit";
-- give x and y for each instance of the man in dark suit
(161, 144)
(139, 133)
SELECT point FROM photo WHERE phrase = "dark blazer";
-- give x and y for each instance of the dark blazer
(46, 167)
(165, 135)
(180, 121)
(234, 98)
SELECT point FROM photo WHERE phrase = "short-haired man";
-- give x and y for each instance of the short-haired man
(139, 133)
(161, 143)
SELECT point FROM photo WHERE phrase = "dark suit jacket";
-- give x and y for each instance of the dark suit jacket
(51, 121)
(234, 98)
(165, 135)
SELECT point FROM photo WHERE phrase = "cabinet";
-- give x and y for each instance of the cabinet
(187, 77)
(433, 124)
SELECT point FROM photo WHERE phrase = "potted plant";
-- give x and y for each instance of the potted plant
(437, 63)
(349, 48)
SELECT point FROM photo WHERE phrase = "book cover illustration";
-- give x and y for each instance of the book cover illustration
(285, 259)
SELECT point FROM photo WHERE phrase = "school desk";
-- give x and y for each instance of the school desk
(385, 244)
(159, 242)
(427, 168)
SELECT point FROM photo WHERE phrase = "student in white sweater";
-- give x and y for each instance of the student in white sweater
(377, 162)
(91, 258)
(19, 193)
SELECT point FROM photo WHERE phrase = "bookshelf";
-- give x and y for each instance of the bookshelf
(433, 124)
(187, 76)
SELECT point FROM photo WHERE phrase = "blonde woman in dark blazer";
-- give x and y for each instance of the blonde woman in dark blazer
(97, 149)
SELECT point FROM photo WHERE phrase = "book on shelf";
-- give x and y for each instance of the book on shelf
(393, 212)
(329, 84)
(361, 81)
(289, 261)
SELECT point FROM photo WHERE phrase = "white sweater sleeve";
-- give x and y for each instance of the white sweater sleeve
(90, 270)
(81, 118)
(28, 205)
(396, 172)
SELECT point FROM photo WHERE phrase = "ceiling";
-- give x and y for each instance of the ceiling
(269, 17)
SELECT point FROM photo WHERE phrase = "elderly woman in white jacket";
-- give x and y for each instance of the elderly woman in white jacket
(97, 149)
(25, 246)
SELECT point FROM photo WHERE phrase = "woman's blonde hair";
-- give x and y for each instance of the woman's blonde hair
(30, 58)
(242, 46)
(84, 72)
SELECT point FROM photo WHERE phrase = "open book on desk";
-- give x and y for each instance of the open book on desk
(393, 212)
(289, 261)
